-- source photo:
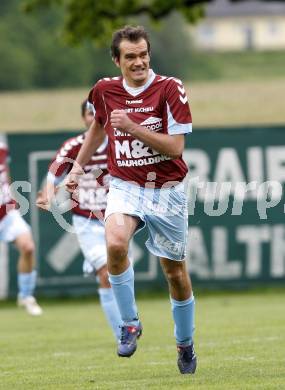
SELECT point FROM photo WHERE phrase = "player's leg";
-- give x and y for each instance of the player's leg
(26, 273)
(183, 311)
(15, 229)
(119, 230)
(91, 238)
(108, 302)
(182, 299)
(168, 230)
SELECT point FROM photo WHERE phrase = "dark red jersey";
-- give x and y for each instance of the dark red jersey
(162, 107)
(6, 201)
(93, 185)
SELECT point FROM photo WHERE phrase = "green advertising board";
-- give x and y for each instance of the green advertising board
(236, 214)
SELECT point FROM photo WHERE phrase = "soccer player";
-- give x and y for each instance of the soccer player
(13, 228)
(92, 200)
(146, 117)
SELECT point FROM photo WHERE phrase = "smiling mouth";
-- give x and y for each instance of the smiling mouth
(138, 70)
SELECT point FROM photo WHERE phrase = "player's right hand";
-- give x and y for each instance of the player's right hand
(42, 201)
(71, 182)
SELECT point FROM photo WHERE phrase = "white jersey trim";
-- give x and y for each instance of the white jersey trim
(3, 141)
(55, 180)
(102, 146)
(175, 127)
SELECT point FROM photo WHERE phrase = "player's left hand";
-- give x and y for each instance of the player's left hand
(120, 120)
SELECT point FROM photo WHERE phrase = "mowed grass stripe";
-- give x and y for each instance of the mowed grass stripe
(240, 343)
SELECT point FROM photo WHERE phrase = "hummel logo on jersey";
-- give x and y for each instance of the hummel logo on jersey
(181, 90)
(152, 123)
(183, 99)
(182, 94)
(139, 101)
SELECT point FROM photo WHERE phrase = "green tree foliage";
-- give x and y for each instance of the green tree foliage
(34, 54)
(97, 19)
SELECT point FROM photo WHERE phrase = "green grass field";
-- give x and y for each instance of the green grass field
(240, 342)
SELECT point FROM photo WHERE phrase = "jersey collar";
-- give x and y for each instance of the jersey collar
(136, 91)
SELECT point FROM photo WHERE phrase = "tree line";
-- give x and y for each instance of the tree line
(34, 53)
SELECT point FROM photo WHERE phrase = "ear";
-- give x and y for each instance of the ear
(116, 61)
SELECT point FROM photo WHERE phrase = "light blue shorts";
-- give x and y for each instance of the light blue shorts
(12, 226)
(162, 211)
(91, 238)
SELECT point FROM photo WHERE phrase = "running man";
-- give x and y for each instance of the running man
(146, 117)
(88, 212)
(13, 228)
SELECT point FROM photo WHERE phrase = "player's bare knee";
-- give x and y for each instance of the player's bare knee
(103, 278)
(175, 276)
(27, 249)
(117, 254)
(117, 249)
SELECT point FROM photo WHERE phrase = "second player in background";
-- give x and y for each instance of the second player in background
(88, 211)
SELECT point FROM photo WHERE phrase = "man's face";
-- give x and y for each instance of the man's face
(88, 118)
(134, 62)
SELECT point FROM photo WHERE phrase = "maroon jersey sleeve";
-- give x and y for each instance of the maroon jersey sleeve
(3, 154)
(64, 158)
(96, 98)
(7, 202)
(177, 111)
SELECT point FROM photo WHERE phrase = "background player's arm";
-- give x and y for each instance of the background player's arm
(94, 138)
(45, 195)
(57, 172)
(169, 145)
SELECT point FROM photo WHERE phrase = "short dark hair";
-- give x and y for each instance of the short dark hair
(132, 34)
(84, 107)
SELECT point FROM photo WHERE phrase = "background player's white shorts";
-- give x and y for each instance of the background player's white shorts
(163, 211)
(91, 238)
(12, 226)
